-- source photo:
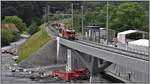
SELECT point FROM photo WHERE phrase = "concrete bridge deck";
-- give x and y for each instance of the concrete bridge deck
(131, 60)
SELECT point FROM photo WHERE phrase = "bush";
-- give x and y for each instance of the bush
(17, 21)
(8, 36)
(16, 36)
(33, 28)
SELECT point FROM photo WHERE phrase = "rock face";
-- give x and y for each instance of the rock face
(45, 56)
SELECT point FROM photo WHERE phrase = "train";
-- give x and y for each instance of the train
(66, 33)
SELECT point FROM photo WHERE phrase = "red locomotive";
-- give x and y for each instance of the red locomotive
(66, 32)
(72, 75)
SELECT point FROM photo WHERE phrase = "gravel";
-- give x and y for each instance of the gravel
(45, 56)
(6, 74)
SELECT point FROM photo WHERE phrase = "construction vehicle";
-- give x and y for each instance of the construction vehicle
(71, 75)
(66, 33)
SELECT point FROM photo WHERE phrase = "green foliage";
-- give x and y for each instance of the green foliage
(27, 10)
(8, 36)
(54, 17)
(123, 16)
(17, 21)
(42, 19)
(33, 44)
(129, 16)
(16, 36)
(67, 23)
(77, 23)
(33, 28)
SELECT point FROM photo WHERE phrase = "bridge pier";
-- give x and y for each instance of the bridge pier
(61, 53)
(70, 60)
(92, 64)
(94, 78)
(96, 70)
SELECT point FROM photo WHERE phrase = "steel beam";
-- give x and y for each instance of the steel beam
(83, 60)
(104, 66)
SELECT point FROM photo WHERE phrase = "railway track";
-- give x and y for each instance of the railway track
(114, 49)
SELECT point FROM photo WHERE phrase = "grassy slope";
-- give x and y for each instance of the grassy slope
(33, 44)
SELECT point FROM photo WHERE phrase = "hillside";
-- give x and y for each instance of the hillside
(33, 44)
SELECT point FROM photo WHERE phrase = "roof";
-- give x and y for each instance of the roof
(128, 32)
(9, 26)
(141, 42)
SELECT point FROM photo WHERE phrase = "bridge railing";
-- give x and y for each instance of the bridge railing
(103, 41)
(133, 48)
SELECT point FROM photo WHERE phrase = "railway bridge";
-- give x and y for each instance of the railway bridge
(126, 65)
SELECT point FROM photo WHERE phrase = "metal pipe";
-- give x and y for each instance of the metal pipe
(48, 13)
(45, 16)
(82, 20)
(99, 36)
(107, 24)
(72, 14)
(149, 45)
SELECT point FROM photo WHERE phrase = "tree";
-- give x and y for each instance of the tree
(129, 16)
(33, 28)
(67, 23)
(122, 16)
(9, 36)
(6, 37)
(17, 21)
(16, 36)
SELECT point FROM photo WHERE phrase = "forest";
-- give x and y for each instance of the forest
(122, 15)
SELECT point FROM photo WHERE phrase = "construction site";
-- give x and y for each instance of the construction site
(97, 54)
